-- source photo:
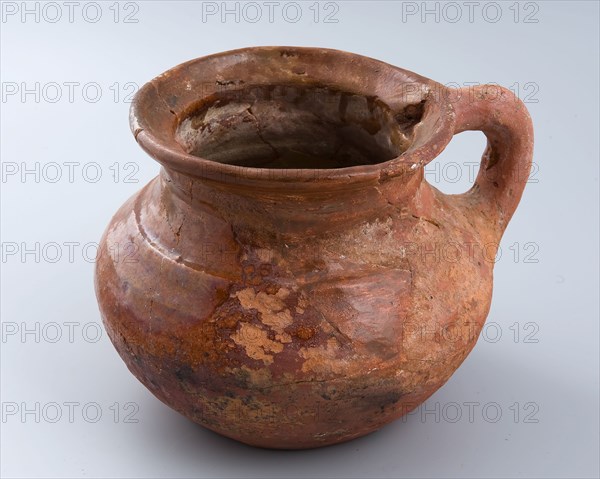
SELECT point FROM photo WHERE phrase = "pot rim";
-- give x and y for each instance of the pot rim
(157, 108)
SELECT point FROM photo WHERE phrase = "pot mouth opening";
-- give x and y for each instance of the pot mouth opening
(296, 127)
(290, 114)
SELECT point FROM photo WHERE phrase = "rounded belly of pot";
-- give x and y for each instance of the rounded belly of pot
(288, 352)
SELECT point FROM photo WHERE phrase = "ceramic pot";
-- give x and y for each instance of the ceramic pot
(292, 280)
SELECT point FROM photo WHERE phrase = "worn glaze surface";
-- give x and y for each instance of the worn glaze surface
(290, 306)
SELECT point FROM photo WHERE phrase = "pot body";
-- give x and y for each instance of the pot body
(296, 318)
(298, 342)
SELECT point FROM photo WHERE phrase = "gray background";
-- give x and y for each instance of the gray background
(537, 362)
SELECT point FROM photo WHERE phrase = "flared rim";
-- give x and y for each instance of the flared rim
(160, 104)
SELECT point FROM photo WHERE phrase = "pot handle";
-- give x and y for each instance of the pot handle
(506, 161)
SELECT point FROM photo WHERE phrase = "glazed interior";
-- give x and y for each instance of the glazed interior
(296, 126)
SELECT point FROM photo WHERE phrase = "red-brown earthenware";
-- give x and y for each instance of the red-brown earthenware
(292, 280)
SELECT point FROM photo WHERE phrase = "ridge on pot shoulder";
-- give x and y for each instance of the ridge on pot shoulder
(292, 286)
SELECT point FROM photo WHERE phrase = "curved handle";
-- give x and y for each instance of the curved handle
(506, 161)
